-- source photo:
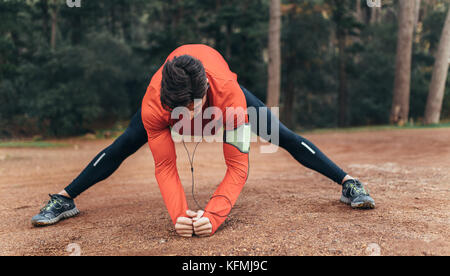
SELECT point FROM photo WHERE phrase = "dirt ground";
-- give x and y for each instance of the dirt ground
(284, 209)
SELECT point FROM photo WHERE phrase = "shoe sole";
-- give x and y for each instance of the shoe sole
(358, 205)
(64, 215)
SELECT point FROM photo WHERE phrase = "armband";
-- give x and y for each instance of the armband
(239, 137)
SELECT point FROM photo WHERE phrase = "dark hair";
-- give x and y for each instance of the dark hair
(183, 80)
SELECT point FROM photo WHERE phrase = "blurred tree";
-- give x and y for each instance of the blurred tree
(345, 26)
(439, 79)
(106, 52)
(417, 13)
(308, 85)
(400, 103)
(45, 15)
(54, 12)
(73, 86)
(274, 54)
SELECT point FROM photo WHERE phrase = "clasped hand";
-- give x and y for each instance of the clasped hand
(194, 223)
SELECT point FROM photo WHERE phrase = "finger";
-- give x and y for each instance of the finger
(203, 235)
(200, 213)
(183, 227)
(203, 227)
(184, 232)
(184, 220)
(186, 235)
(203, 232)
(191, 213)
(201, 222)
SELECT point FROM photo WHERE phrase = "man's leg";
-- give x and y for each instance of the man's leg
(109, 159)
(307, 154)
(101, 167)
(300, 148)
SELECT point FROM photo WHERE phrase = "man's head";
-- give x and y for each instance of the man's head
(183, 81)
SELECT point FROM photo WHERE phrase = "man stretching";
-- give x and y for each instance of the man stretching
(197, 72)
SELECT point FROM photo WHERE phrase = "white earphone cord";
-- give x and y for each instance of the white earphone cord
(191, 161)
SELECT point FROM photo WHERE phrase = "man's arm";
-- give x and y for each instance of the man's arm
(164, 155)
(236, 157)
(229, 189)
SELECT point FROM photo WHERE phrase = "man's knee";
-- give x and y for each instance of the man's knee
(127, 143)
(288, 138)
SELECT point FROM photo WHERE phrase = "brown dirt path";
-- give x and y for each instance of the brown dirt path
(284, 209)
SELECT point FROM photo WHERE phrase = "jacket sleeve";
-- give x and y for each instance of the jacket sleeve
(236, 159)
(164, 155)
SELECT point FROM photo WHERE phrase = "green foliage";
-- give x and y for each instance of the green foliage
(372, 76)
(70, 87)
(31, 144)
(106, 52)
(307, 66)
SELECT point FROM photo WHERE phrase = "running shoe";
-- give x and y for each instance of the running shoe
(59, 207)
(354, 194)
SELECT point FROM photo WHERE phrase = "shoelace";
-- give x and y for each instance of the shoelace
(357, 188)
(52, 202)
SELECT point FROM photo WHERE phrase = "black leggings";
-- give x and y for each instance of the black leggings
(135, 136)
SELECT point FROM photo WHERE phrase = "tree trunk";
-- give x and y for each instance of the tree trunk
(288, 106)
(54, 15)
(417, 13)
(45, 20)
(356, 38)
(359, 12)
(374, 15)
(112, 22)
(126, 21)
(400, 104)
(288, 90)
(228, 34)
(217, 33)
(342, 92)
(439, 79)
(274, 70)
(77, 30)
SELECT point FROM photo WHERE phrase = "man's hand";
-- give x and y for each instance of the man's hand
(202, 225)
(184, 225)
